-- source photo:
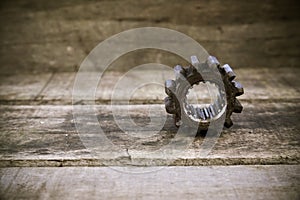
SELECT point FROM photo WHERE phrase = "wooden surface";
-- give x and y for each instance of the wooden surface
(260, 84)
(216, 182)
(40, 135)
(57, 35)
(46, 135)
(42, 46)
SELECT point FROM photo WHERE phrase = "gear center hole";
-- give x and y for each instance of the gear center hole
(201, 99)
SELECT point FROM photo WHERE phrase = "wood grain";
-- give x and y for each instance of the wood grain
(57, 36)
(214, 182)
(260, 84)
(46, 135)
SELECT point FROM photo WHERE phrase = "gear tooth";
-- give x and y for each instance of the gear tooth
(239, 88)
(212, 110)
(237, 106)
(200, 113)
(228, 122)
(212, 62)
(179, 71)
(170, 105)
(209, 112)
(203, 114)
(194, 61)
(170, 87)
(206, 113)
(229, 72)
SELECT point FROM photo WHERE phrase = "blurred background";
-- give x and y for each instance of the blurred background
(55, 36)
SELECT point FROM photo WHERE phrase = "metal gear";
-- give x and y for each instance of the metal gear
(209, 73)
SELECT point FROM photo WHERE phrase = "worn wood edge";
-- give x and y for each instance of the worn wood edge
(67, 102)
(172, 182)
(143, 162)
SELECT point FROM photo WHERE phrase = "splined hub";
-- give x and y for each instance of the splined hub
(223, 100)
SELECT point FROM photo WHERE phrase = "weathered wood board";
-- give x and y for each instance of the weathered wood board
(214, 182)
(57, 35)
(259, 84)
(46, 135)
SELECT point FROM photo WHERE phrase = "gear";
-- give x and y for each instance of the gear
(211, 74)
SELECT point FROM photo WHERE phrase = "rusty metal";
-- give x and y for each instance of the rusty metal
(209, 72)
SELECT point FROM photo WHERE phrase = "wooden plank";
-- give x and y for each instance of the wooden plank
(265, 133)
(90, 30)
(66, 54)
(259, 84)
(62, 19)
(242, 33)
(23, 87)
(192, 11)
(216, 182)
